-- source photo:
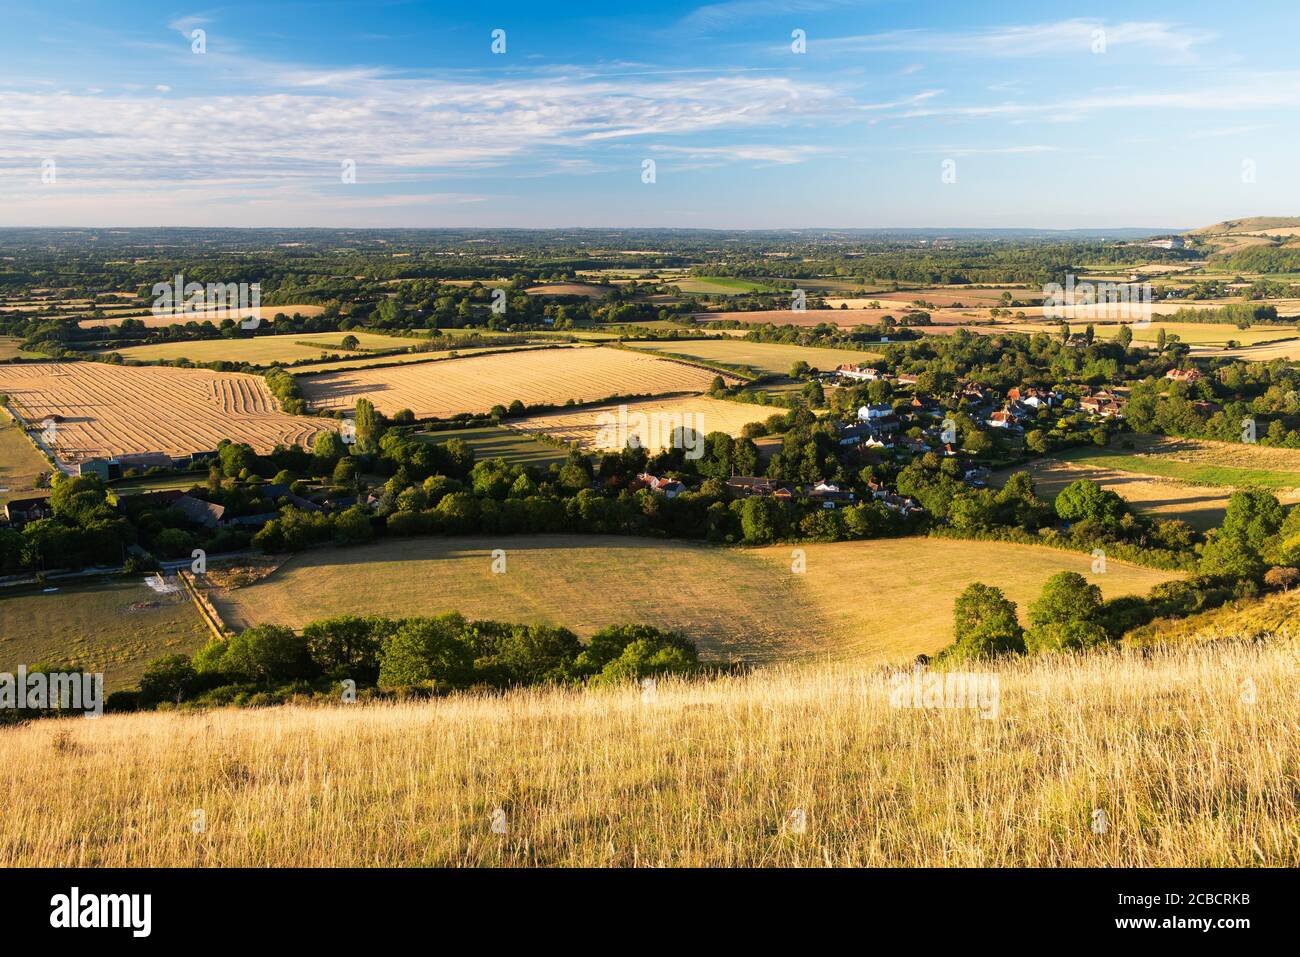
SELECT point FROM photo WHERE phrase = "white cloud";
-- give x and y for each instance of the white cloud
(393, 128)
(1036, 40)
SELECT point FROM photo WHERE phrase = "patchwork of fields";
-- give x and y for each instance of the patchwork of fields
(879, 600)
(476, 383)
(109, 410)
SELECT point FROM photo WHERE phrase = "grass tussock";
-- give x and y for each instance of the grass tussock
(1191, 753)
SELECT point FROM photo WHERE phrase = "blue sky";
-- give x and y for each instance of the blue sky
(1042, 114)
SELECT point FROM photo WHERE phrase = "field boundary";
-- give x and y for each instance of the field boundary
(207, 611)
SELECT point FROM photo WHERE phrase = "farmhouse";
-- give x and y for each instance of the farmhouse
(861, 373)
(669, 488)
(20, 510)
(1184, 375)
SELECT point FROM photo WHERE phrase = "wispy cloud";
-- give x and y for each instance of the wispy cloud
(1077, 36)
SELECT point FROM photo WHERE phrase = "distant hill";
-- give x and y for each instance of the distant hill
(1251, 224)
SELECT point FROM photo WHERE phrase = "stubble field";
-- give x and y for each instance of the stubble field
(599, 426)
(113, 410)
(476, 383)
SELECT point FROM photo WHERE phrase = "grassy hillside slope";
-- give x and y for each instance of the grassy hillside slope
(803, 765)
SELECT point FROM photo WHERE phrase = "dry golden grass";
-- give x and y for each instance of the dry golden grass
(21, 465)
(1201, 506)
(587, 427)
(1189, 769)
(880, 600)
(113, 410)
(264, 350)
(216, 316)
(773, 357)
(476, 383)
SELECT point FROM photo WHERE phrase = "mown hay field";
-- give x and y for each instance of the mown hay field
(114, 626)
(883, 600)
(264, 350)
(812, 765)
(602, 426)
(112, 410)
(477, 383)
(771, 357)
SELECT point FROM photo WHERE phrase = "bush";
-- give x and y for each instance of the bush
(169, 678)
(424, 650)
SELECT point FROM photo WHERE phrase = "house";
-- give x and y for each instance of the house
(1184, 375)
(925, 405)
(669, 488)
(200, 512)
(856, 433)
(977, 477)
(20, 510)
(906, 378)
(915, 446)
(162, 499)
(1104, 404)
(899, 504)
(1032, 397)
(1207, 408)
(747, 485)
(828, 494)
(861, 373)
(1002, 419)
(867, 413)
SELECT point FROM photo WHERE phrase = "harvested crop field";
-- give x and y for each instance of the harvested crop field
(771, 357)
(152, 321)
(477, 383)
(789, 317)
(265, 350)
(599, 427)
(106, 410)
(742, 603)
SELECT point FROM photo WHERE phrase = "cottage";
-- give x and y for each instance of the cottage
(867, 413)
(1184, 375)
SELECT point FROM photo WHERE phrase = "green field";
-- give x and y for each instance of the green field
(94, 626)
(9, 349)
(769, 357)
(719, 285)
(20, 462)
(492, 442)
(1192, 473)
(888, 599)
